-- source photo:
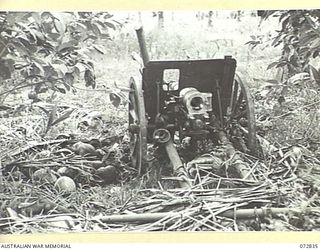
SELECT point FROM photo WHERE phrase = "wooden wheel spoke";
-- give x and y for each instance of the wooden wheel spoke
(234, 95)
(235, 110)
(242, 114)
(134, 148)
(242, 109)
(238, 103)
(133, 116)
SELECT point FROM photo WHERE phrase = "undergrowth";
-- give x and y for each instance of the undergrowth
(286, 123)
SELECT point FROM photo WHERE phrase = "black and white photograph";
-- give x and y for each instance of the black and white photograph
(159, 121)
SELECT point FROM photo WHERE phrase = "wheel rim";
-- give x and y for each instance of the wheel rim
(137, 126)
(241, 112)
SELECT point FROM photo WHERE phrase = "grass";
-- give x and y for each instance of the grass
(176, 41)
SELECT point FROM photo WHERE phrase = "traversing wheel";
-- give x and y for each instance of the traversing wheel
(137, 126)
(240, 116)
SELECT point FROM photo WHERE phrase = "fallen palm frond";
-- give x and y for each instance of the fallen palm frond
(217, 201)
(152, 210)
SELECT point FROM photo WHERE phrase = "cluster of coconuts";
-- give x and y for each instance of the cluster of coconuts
(107, 174)
(65, 184)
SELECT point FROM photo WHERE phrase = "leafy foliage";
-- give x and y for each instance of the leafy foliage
(51, 50)
(300, 39)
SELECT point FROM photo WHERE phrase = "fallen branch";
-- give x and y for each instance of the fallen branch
(240, 214)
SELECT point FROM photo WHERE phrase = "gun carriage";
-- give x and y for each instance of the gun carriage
(198, 100)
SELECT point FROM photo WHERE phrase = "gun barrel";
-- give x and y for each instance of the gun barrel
(142, 45)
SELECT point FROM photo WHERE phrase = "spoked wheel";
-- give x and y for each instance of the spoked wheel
(137, 126)
(240, 116)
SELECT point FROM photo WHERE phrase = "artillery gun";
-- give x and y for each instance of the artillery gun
(194, 100)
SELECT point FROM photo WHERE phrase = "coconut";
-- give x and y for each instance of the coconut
(82, 148)
(67, 171)
(44, 175)
(107, 174)
(65, 185)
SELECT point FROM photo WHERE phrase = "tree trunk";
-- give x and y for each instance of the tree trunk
(210, 15)
(160, 19)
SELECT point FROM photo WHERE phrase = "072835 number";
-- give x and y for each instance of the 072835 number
(309, 246)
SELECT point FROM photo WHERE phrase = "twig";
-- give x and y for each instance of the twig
(13, 220)
(4, 48)
(20, 87)
(28, 147)
(103, 90)
(202, 223)
(293, 111)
